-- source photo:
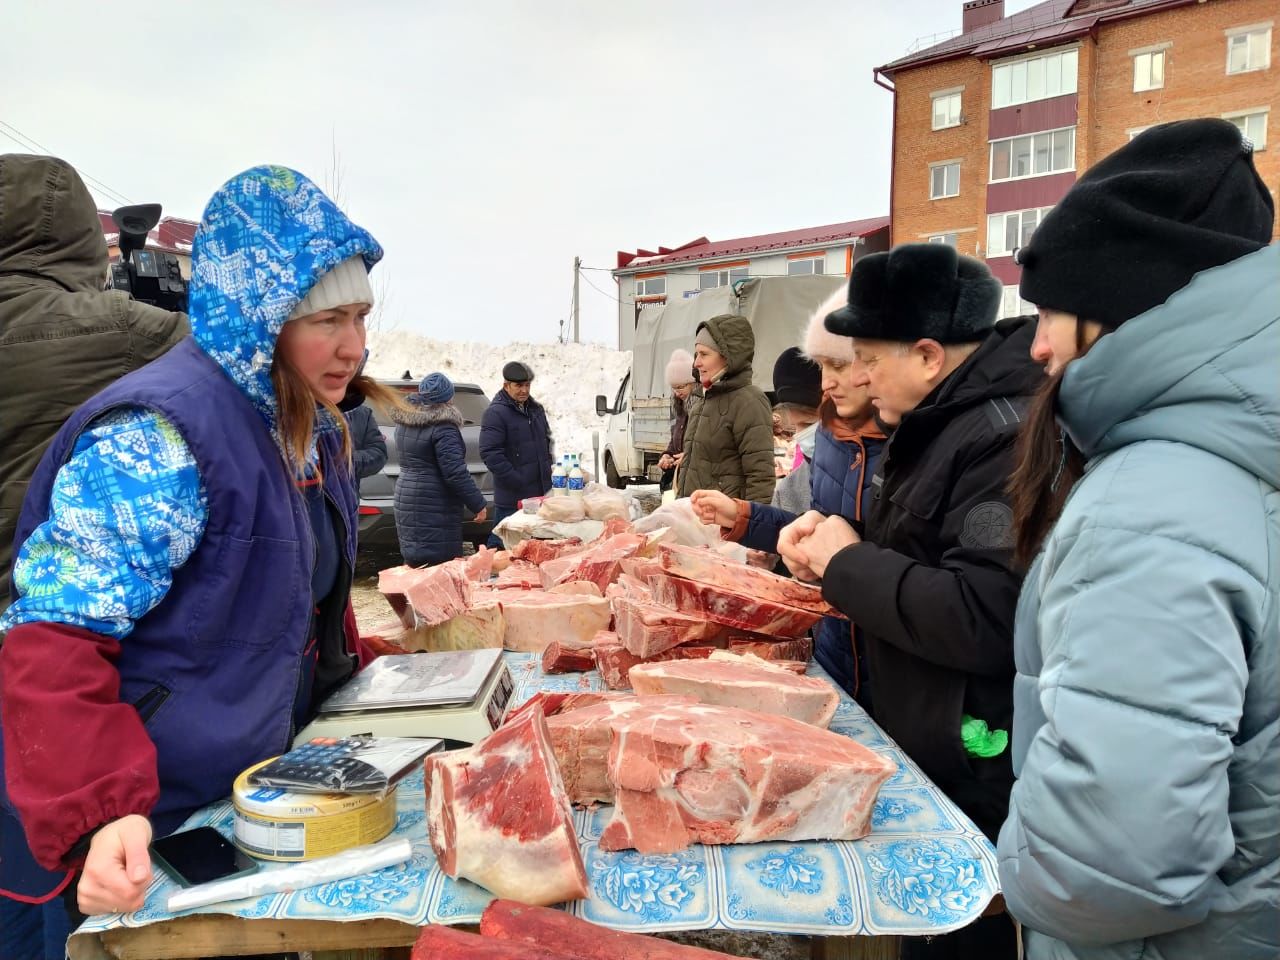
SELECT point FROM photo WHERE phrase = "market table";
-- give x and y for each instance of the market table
(924, 869)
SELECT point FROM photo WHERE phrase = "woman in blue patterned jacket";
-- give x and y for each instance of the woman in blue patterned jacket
(186, 552)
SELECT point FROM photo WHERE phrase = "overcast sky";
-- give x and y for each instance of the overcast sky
(484, 144)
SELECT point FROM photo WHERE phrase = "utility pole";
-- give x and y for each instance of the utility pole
(577, 269)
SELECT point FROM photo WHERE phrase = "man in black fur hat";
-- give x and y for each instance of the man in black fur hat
(932, 581)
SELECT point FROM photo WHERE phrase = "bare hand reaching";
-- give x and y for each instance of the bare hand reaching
(790, 541)
(715, 507)
(117, 870)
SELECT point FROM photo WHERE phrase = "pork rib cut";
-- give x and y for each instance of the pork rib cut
(707, 774)
(706, 566)
(734, 607)
(731, 680)
(497, 814)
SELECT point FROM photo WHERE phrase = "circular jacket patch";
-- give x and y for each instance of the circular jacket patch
(988, 526)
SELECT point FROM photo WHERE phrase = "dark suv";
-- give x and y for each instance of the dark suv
(377, 493)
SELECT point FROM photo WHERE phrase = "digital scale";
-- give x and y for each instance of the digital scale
(455, 695)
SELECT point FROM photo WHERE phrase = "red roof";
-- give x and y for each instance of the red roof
(171, 234)
(1042, 25)
(704, 249)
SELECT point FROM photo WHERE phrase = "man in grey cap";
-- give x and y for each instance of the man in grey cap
(931, 580)
(515, 444)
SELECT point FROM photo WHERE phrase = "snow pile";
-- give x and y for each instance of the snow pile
(567, 376)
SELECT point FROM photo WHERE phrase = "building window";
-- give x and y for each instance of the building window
(946, 110)
(1033, 155)
(1148, 71)
(944, 180)
(1012, 305)
(1248, 49)
(802, 266)
(720, 277)
(948, 238)
(1253, 126)
(651, 286)
(1035, 78)
(1006, 232)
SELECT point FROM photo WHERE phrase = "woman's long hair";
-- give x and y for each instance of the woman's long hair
(1048, 465)
(296, 406)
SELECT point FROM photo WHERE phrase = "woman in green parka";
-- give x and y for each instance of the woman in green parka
(728, 443)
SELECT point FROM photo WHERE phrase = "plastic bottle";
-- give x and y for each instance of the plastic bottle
(577, 482)
(560, 478)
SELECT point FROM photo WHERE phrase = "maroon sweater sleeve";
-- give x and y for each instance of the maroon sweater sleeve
(75, 757)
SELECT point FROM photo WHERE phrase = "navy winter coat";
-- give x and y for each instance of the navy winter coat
(368, 447)
(515, 445)
(839, 481)
(434, 484)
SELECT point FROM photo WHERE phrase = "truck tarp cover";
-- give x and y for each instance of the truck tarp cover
(778, 309)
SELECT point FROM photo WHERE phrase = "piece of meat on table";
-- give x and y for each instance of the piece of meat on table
(647, 629)
(482, 626)
(798, 649)
(732, 607)
(552, 703)
(581, 739)
(438, 942)
(730, 680)
(579, 939)
(538, 551)
(498, 815)
(614, 661)
(708, 774)
(534, 617)
(440, 593)
(519, 575)
(568, 656)
(600, 563)
(706, 566)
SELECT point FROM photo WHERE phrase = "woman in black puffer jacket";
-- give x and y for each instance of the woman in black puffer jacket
(434, 484)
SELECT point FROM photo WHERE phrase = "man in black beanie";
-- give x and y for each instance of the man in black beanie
(931, 582)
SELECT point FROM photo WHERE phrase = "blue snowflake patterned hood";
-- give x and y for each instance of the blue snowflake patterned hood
(265, 238)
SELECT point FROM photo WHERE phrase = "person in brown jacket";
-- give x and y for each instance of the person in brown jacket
(728, 443)
(62, 336)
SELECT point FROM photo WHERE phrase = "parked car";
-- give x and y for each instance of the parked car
(377, 531)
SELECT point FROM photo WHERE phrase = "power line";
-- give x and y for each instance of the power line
(113, 195)
(601, 292)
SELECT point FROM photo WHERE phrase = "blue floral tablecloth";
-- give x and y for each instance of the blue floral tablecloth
(924, 869)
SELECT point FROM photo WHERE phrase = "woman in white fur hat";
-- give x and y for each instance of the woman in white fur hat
(680, 377)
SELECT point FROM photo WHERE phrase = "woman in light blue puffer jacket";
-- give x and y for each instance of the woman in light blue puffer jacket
(1145, 822)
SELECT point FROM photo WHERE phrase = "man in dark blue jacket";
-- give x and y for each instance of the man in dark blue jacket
(515, 444)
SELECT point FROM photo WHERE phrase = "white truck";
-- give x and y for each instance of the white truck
(637, 419)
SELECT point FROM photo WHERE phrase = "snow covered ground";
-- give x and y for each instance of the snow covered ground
(567, 376)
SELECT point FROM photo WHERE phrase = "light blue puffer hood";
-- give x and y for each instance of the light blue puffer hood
(1201, 369)
(265, 239)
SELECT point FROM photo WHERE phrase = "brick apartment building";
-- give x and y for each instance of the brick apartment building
(992, 126)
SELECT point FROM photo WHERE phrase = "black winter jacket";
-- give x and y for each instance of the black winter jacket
(933, 584)
(434, 483)
(515, 445)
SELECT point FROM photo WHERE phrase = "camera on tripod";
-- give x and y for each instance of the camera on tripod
(150, 276)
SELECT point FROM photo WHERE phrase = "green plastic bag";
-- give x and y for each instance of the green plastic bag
(981, 741)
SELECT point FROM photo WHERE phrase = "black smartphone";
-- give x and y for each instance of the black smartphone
(200, 856)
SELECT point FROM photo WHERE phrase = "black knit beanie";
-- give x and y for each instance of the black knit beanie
(797, 379)
(918, 291)
(1177, 199)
